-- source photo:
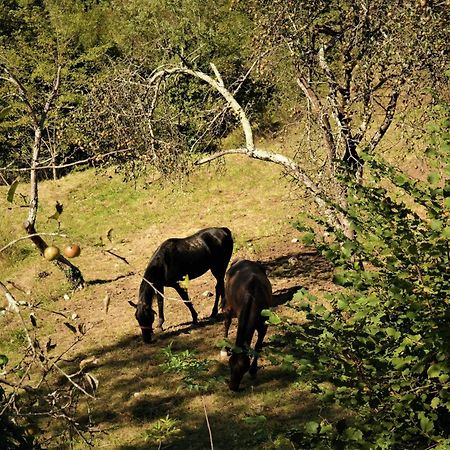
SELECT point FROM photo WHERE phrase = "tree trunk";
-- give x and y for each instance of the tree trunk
(72, 273)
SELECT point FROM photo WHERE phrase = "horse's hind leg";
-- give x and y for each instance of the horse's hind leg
(185, 297)
(258, 347)
(220, 290)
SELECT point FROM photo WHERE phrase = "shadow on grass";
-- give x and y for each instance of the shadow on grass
(283, 296)
(298, 264)
(232, 427)
(110, 280)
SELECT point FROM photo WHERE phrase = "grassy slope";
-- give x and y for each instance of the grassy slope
(253, 200)
(248, 196)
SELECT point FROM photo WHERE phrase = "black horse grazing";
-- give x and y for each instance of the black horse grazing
(208, 249)
(247, 292)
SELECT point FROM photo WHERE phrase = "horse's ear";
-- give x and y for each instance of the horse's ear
(132, 304)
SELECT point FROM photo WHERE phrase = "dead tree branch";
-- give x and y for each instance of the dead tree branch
(336, 220)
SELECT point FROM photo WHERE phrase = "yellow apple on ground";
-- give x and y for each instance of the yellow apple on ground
(51, 252)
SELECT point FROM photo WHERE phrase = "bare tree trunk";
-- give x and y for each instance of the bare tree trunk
(55, 175)
(73, 274)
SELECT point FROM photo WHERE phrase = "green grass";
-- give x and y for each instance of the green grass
(95, 203)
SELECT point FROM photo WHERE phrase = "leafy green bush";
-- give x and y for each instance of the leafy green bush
(162, 431)
(379, 349)
(187, 364)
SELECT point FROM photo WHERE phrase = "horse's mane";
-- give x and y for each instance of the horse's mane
(146, 292)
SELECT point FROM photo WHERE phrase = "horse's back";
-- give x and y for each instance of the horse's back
(245, 278)
(215, 238)
(193, 255)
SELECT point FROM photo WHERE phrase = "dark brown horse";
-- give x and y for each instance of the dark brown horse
(247, 292)
(208, 249)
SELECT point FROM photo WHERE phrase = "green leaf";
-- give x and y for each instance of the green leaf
(447, 202)
(274, 319)
(426, 423)
(311, 427)
(433, 178)
(3, 361)
(340, 279)
(444, 378)
(12, 191)
(434, 371)
(436, 225)
(320, 309)
(184, 283)
(435, 402)
(446, 233)
(352, 434)
(342, 303)
(399, 363)
(347, 249)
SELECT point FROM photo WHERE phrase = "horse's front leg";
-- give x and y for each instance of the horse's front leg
(160, 299)
(226, 323)
(226, 351)
(262, 329)
(185, 297)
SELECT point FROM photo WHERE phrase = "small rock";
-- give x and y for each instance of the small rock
(294, 241)
(137, 394)
(207, 294)
(66, 297)
(223, 354)
(74, 316)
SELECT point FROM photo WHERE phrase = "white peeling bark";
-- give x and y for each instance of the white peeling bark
(336, 220)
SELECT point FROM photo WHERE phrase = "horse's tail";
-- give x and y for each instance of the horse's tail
(227, 246)
(227, 232)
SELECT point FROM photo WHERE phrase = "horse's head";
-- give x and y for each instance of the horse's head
(239, 364)
(145, 316)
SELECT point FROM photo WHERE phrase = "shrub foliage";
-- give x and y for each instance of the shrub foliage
(379, 348)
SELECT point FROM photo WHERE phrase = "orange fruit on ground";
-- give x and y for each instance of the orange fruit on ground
(71, 251)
